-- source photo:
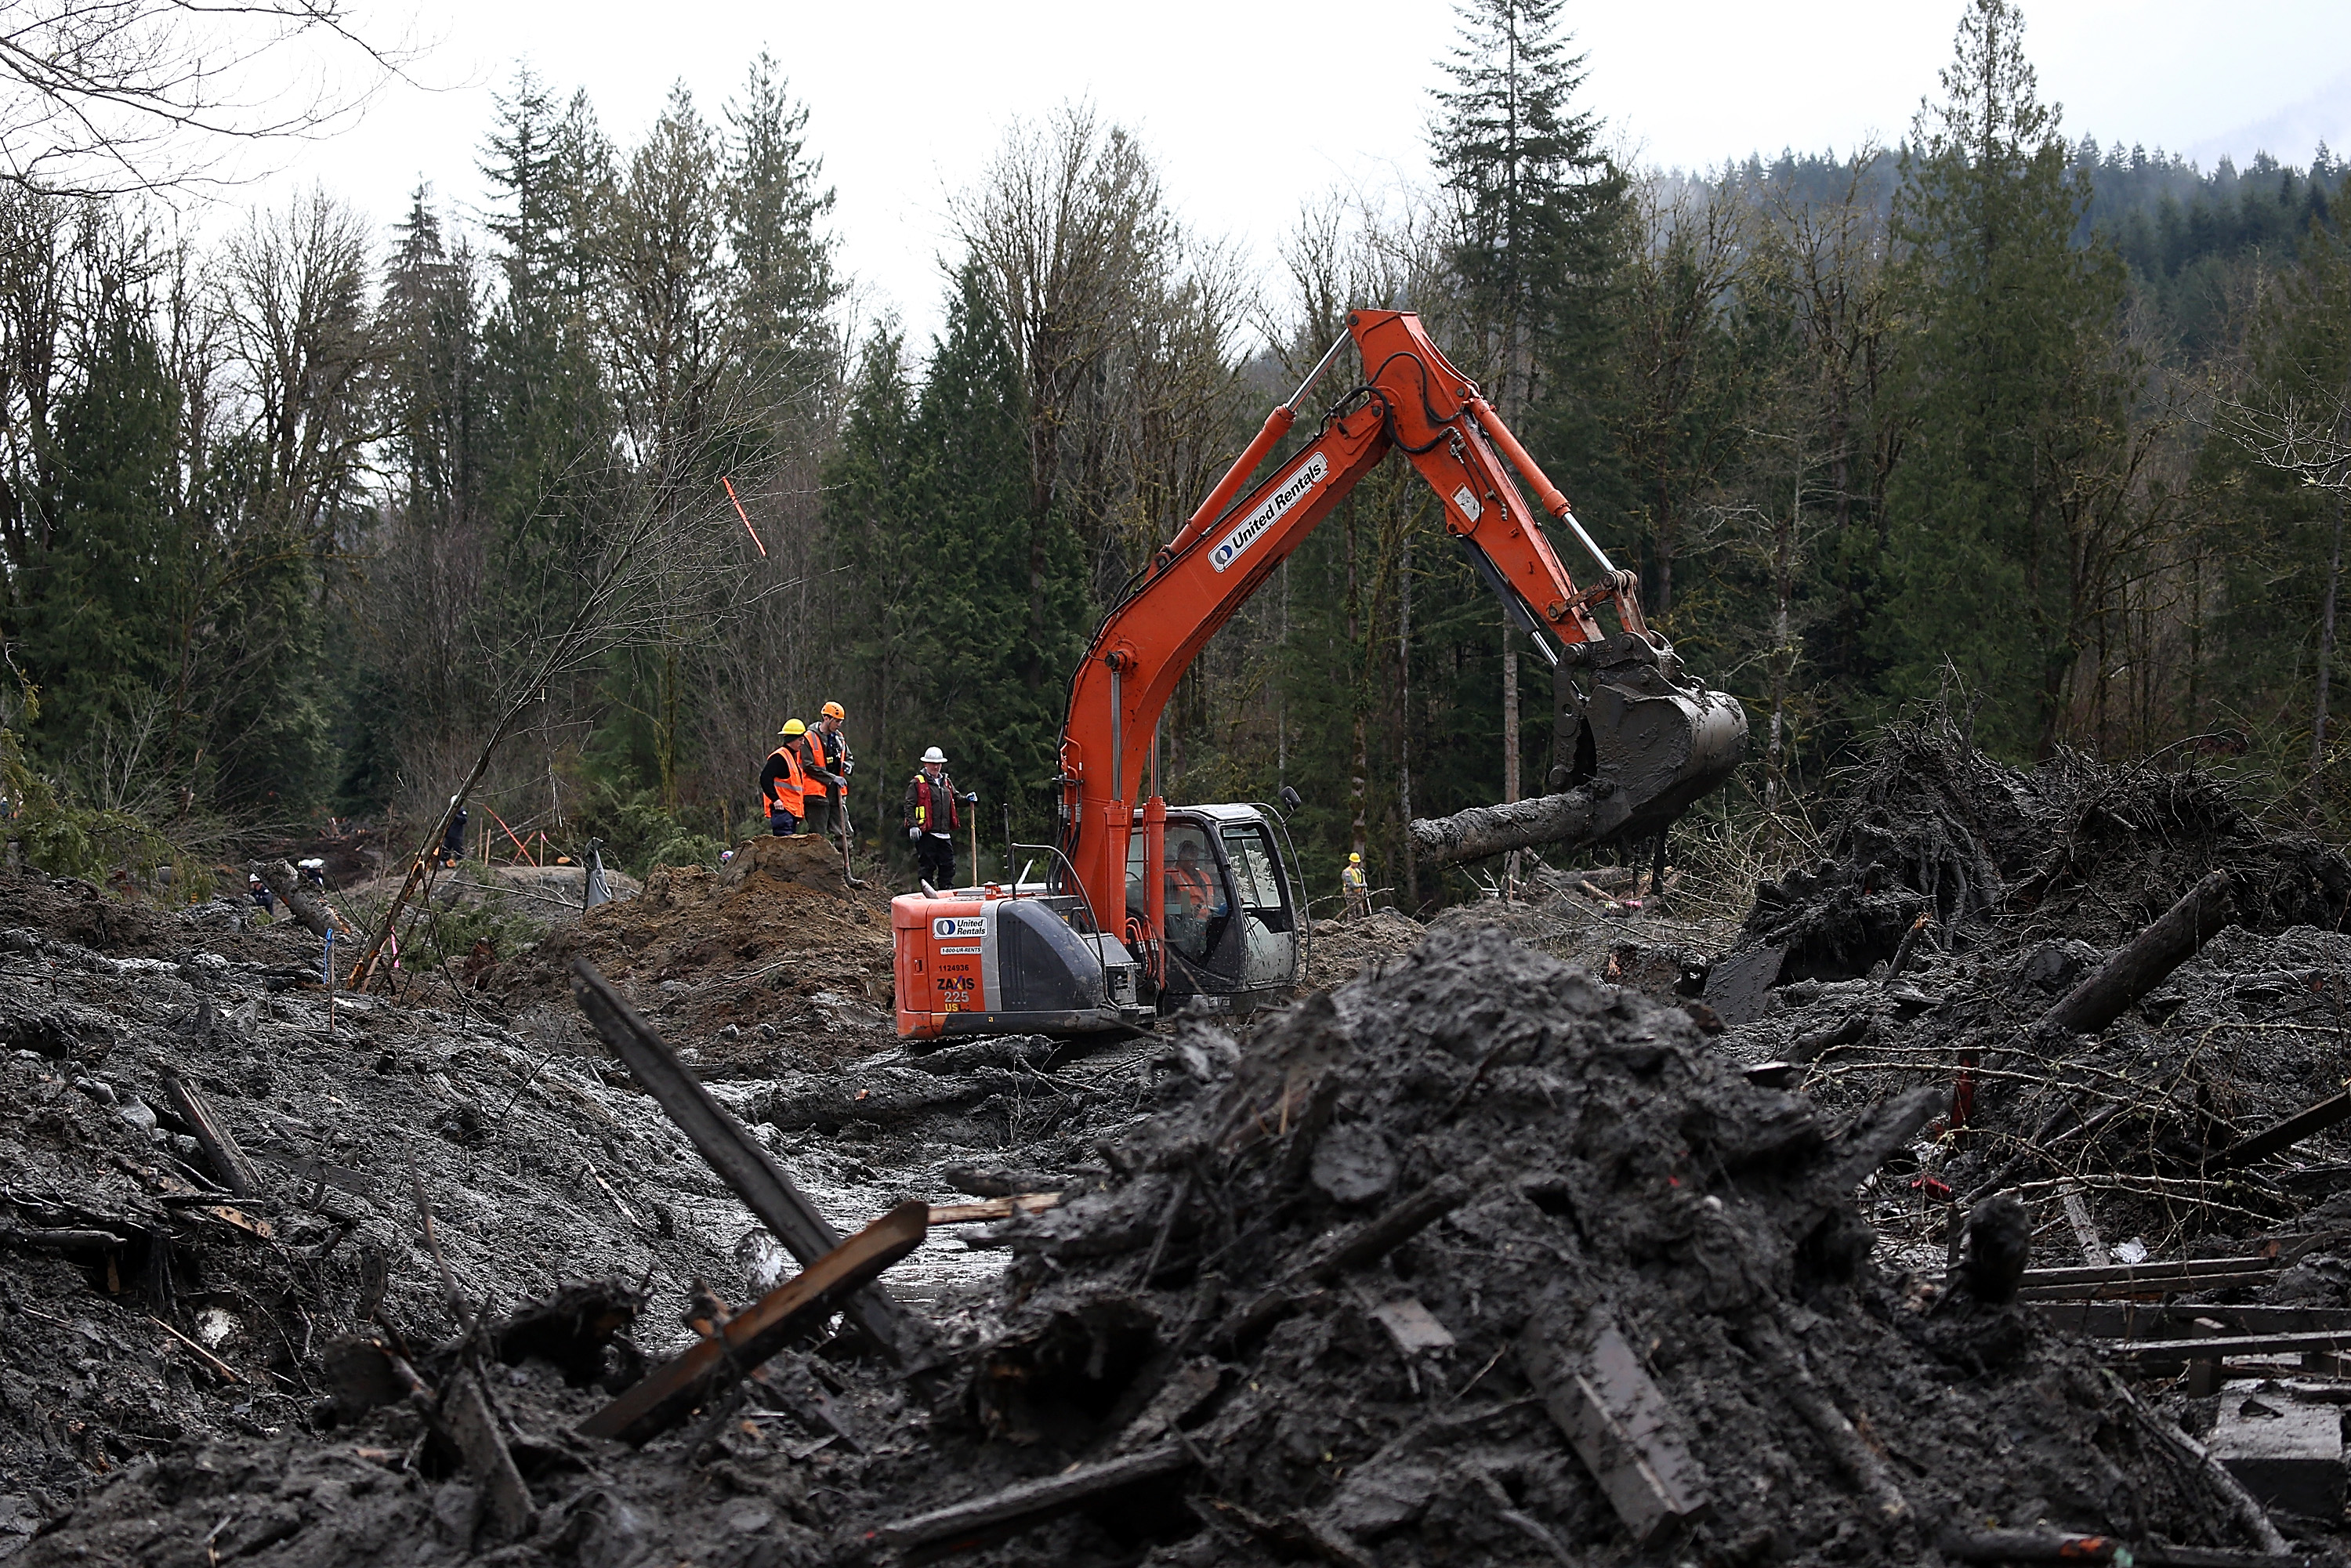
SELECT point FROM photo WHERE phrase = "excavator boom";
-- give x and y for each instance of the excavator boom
(1636, 741)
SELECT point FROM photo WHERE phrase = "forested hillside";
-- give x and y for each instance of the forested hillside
(300, 521)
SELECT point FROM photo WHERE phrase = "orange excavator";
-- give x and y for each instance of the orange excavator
(1141, 906)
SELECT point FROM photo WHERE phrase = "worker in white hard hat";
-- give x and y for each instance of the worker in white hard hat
(931, 818)
(1357, 889)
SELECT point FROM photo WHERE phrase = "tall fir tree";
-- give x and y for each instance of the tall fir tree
(2017, 400)
(1537, 205)
(783, 285)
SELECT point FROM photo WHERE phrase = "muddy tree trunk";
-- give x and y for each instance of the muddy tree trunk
(1483, 830)
(2143, 962)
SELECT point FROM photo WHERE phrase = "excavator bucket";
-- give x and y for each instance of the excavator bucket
(1636, 743)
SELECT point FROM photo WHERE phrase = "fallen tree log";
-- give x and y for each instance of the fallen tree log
(279, 877)
(1575, 817)
(2143, 962)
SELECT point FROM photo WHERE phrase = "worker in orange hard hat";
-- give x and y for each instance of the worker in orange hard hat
(828, 763)
(784, 784)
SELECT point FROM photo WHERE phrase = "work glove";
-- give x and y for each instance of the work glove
(913, 833)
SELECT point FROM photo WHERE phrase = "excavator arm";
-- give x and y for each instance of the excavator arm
(1411, 400)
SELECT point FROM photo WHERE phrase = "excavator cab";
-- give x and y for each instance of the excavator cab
(1235, 917)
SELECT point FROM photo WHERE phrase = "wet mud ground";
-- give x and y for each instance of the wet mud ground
(170, 1383)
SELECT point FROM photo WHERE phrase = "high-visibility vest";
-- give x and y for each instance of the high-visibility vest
(789, 792)
(1352, 879)
(1190, 883)
(811, 757)
(934, 805)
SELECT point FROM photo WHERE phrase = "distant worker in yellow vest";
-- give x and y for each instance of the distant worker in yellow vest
(1358, 890)
(784, 785)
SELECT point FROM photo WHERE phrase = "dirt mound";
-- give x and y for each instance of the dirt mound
(61, 909)
(773, 953)
(1339, 950)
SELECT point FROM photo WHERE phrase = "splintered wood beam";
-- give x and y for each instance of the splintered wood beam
(677, 1388)
(1622, 1428)
(731, 1152)
(986, 1518)
(993, 1208)
(228, 1161)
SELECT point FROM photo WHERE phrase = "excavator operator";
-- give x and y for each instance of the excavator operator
(1195, 896)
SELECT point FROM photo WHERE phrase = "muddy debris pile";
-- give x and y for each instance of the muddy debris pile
(1994, 856)
(2118, 979)
(1481, 1262)
(150, 1296)
(772, 958)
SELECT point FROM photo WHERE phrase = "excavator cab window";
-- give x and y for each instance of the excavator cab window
(1257, 880)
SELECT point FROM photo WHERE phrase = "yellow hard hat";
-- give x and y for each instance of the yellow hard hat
(1354, 860)
(793, 726)
(834, 710)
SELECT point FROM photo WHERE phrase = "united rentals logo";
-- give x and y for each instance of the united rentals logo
(1253, 527)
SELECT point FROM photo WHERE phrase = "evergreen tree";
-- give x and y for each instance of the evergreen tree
(2002, 508)
(105, 590)
(783, 283)
(971, 428)
(1537, 205)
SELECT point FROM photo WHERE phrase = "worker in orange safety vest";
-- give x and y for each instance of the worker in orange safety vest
(784, 782)
(828, 763)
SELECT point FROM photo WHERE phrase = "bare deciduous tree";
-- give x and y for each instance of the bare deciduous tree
(104, 97)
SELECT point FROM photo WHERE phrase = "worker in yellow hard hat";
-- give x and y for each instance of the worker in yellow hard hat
(1357, 889)
(784, 784)
(828, 763)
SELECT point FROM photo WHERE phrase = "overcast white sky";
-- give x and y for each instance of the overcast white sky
(1253, 109)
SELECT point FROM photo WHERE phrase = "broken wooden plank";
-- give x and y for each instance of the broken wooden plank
(1413, 1326)
(2086, 1229)
(229, 1162)
(2202, 1348)
(994, 1209)
(672, 1390)
(2141, 964)
(2279, 1136)
(466, 1410)
(737, 1157)
(987, 1519)
(1620, 1424)
(2204, 1372)
(2170, 1271)
(2142, 1319)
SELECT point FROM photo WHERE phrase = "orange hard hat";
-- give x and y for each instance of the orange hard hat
(834, 710)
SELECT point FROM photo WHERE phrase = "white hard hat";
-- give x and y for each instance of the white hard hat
(934, 755)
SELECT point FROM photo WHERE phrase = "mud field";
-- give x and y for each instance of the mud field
(1540, 1235)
